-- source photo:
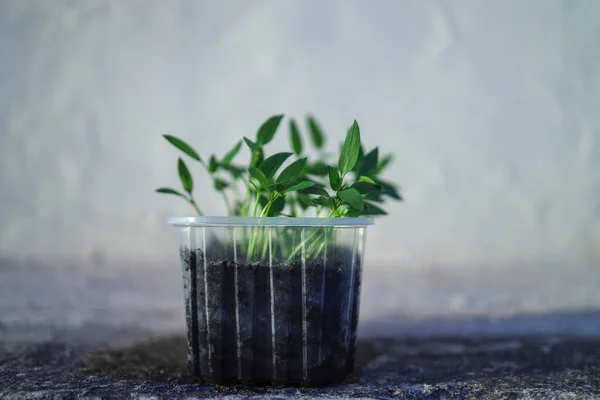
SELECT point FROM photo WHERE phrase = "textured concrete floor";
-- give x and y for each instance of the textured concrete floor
(118, 333)
(465, 368)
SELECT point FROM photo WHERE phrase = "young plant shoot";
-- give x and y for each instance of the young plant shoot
(291, 184)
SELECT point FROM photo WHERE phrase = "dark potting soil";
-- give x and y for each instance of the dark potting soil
(262, 324)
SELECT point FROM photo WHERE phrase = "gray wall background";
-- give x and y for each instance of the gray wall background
(491, 107)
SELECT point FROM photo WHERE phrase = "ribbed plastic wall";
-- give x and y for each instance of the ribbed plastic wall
(271, 320)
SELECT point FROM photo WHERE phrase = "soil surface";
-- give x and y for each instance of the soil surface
(271, 323)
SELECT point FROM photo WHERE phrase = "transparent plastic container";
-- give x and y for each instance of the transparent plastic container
(271, 301)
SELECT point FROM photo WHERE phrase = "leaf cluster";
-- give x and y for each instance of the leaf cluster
(291, 183)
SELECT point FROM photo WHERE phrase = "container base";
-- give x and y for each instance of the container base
(272, 323)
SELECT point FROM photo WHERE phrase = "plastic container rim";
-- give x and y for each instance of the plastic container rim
(200, 221)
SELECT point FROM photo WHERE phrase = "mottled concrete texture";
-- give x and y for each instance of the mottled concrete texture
(465, 368)
(115, 333)
(491, 108)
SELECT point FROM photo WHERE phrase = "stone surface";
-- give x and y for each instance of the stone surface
(71, 332)
(132, 363)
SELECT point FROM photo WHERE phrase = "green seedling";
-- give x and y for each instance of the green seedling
(291, 184)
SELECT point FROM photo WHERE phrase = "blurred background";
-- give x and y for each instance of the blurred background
(491, 109)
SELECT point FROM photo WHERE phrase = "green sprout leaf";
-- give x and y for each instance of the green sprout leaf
(213, 164)
(277, 206)
(167, 190)
(316, 189)
(369, 162)
(257, 152)
(366, 187)
(260, 177)
(257, 157)
(292, 171)
(353, 213)
(377, 197)
(346, 210)
(295, 138)
(352, 197)
(366, 179)
(184, 175)
(267, 130)
(372, 209)
(183, 146)
(316, 133)
(234, 170)
(251, 144)
(271, 164)
(359, 161)
(220, 184)
(300, 186)
(303, 200)
(350, 149)
(383, 163)
(232, 153)
(335, 181)
(323, 201)
(318, 168)
(263, 200)
(389, 189)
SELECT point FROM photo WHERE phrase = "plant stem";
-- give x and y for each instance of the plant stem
(253, 230)
(246, 207)
(227, 203)
(256, 203)
(193, 203)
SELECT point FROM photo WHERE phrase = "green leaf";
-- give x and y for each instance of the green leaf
(383, 163)
(350, 149)
(260, 177)
(389, 189)
(347, 211)
(366, 179)
(369, 162)
(366, 187)
(234, 170)
(257, 157)
(300, 186)
(267, 130)
(277, 206)
(184, 175)
(213, 164)
(335, 181)
(319, 168)
(304, 200)
(316, 189)
(375, 196)
(361, 155)
(316, 133)
(353, 214)
(183, 146)
(271, 164)
(220, 184)
(167, 190)
(352, 197)
(232, 153)
(322, 201)
(372, 209)
(251, 144)
(291, 202)
(292, 171)
(295, 138)
(263, 200)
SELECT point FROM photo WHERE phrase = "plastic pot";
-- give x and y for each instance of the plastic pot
(271, 301)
